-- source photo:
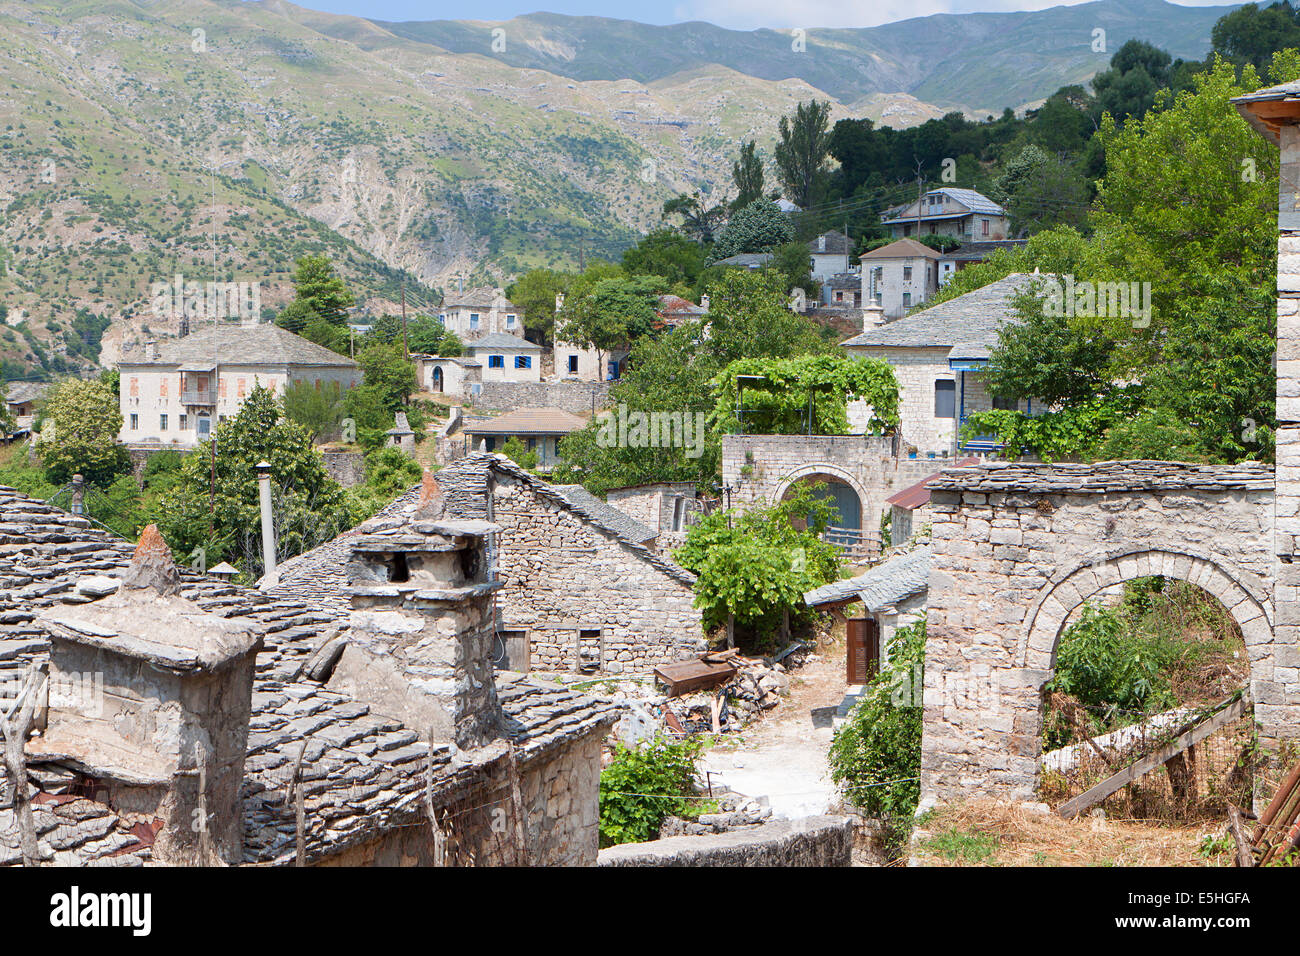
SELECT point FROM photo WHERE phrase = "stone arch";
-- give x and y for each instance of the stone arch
(829, 471)
(1246, 598)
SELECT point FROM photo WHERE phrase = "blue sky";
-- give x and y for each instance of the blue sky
(735, 14)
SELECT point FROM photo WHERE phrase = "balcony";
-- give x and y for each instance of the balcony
(199, 396)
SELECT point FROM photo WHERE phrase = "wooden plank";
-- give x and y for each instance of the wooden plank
(1244, 855)
(1141, 767)
(686, 676)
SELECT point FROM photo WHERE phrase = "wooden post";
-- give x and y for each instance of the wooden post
(299, 809)
(16, 725)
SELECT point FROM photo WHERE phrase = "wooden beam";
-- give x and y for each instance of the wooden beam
(1072, 808)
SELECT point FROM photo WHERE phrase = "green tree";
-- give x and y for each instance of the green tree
(534, 292)
(756, 565)
(309, 506)
(296, 316)
(699, 220)
(427, 335)
(316, 409)
(387, 370)
(667, 254)
(759, 227)
(319, 287)
(515, 450)
(747, 176)
(83, 422)
(802, 150)
(1253, 33)
(612, 313)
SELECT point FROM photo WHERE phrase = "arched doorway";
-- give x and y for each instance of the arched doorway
(437, 378)
(846, 529)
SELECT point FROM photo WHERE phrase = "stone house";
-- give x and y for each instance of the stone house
(573, 362)
(506, 358)
(175, 392)
(21, 399)
(939, 356)
(443, 375)
(893, 593)
(669, 507)
(580, 588)
(949, 211)
(899, 276)
(174, 696)
(539, 429)
(969, 253)
(479, 312)
(831, 255)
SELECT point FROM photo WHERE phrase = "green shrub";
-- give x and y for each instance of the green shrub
(875, 757)
(645, 784)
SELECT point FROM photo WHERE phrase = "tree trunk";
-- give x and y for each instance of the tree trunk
(15, 726)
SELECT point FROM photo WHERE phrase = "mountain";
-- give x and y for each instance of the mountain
(414, 154)
(979, 61)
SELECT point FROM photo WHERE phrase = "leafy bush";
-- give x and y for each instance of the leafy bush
(645, 784)
(875, 757)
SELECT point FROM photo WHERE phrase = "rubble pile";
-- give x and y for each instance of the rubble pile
(734, 811)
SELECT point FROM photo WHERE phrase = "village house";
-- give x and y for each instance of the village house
(909, 509)
(673, 310)
(175, 392)
(369, 730)
(479, 312)
(456, 375)
(969, 253)
(539, 429)
(831, 254)
(899, 276)
(581, 587)
(21, 399)
(948, 211)
(746, 260)
(669, 507)
(506, 358)
(581, 363)
(939, 356)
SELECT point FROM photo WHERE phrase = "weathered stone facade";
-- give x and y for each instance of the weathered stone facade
(1018, 549)
(563, 576)
(576, 398)
(761, 468)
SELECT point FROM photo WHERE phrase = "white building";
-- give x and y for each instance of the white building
(506, 358)
(899, 276)
(830, 253)
(479, 312)
(175, 392)
(964, 213)
(939, 356)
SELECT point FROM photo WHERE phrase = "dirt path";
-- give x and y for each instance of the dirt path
(783, 755)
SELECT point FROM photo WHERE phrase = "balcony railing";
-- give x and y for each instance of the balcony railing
(199, 396)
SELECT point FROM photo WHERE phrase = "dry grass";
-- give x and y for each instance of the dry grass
(981, 833)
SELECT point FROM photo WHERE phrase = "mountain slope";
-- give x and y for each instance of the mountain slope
(986, 61)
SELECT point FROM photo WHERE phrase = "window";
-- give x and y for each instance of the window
(473, 320)
(589, 650)
(523, 361)
(945, 398)
(1004, 404)
(185, 422)
(984, 227)
(496, 361)
(510, 318)
(573, 365)
(240, 385)
(514, 651)
(135, 423)
(162, 423)
(907, 273)
(442, 317)
(907, 300)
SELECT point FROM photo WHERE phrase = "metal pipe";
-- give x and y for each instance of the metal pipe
(268, 526)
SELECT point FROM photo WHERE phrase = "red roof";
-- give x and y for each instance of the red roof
(911, 498)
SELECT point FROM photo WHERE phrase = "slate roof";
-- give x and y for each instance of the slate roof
(975, 202)
(970, 320)
(528, 421)
(19, 393)
(1268, 128)
(748, 260)
(364, 773)
(501, 340)
(481, 298)
(318, 575)
(979, 251)
(884, 585)
(837, 244)
(610, 517)
(901, 249)
(230, 343)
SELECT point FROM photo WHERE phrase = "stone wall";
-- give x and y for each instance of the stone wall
(563, 574)
(576, 398)
(774, 462)
(811, 841)
(1018, 549)
(348, 468)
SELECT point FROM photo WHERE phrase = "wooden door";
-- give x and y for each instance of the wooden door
(863, 657)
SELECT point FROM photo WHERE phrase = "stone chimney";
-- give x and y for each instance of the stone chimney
(704, 302)
(150, 350)
(150, 698)
(873, 314)
(422, 627)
